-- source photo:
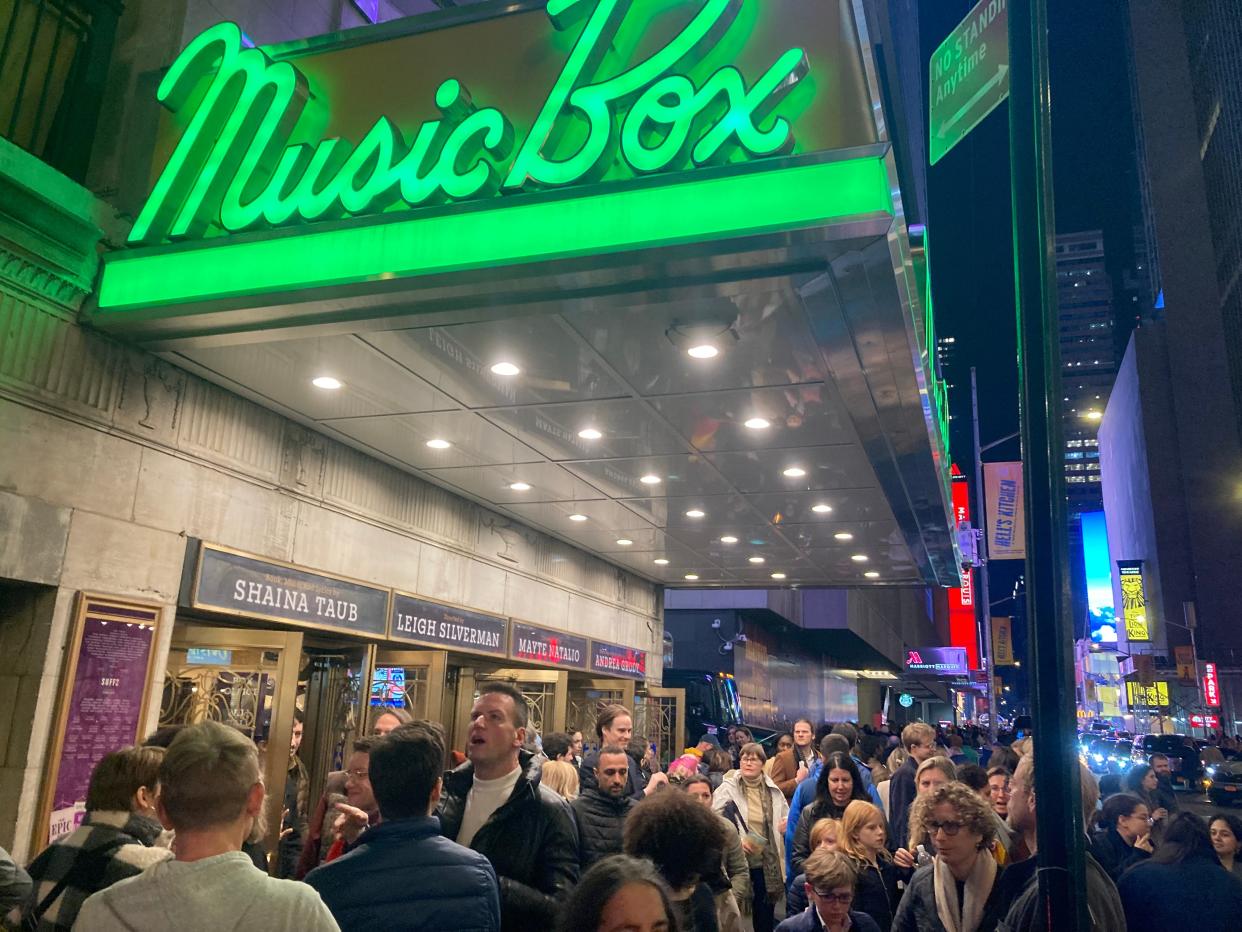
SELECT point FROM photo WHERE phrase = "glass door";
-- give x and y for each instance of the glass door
(412, 680)
(660, 717)
(245, 679)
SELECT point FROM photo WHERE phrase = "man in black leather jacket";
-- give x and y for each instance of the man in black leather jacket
(601, 810)
(494, 804)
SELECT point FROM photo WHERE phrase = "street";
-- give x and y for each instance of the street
(1198, 803)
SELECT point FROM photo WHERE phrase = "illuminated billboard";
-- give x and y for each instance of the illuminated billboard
(1133, 600)
(938, 661)
(962, 628)
(1099, 574)
(1155, 696)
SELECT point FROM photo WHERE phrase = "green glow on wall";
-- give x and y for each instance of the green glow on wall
(687, 209)
(234, 166)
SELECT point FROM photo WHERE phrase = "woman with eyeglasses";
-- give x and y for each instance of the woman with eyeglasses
(959, 890)
(1125, 838)
(830, 880)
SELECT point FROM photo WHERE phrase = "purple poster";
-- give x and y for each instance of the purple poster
(105, 702)
(938, 661)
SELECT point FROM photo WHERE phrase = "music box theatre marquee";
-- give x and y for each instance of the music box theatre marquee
(642, 123)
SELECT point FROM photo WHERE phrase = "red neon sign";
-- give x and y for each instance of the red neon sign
(1205, 721)
(962, 625)
(1211, 686)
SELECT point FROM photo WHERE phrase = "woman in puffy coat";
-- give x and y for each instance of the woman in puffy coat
(757, 808)
(838, 784)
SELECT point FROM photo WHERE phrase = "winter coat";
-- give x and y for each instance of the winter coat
(876, 892)
(917, 910)
(319, 827)
(1196, 891)
(105, 848)
(600, 819)
(1020, 886)
(785, 771)
(531, 841)
(406, 874)
(808, 921)
(812, 813)
(900, 797)
(15, 883)
(732, 791)
(634, 782)
(1114, 855)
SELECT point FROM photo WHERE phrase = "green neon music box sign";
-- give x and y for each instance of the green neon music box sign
(236, 166)
(493, 136)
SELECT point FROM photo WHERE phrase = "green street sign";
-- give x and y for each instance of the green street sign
(968, 76)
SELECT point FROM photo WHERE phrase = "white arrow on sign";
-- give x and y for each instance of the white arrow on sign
(978, 95)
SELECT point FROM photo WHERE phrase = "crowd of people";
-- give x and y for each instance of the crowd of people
(840, 828)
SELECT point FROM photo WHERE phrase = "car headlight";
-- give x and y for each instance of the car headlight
(1098, 757)
(1211, 771)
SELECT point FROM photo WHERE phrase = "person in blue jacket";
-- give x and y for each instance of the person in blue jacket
(805, 794)
(403, 874)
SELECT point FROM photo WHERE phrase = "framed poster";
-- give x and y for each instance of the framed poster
(101, 705)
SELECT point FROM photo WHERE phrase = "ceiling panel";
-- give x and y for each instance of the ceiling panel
(474, 441)
(555, 516)
(823, 468)
(555, 365)
(799, 507)
(548, 483)
(797, 416)
(718, 511)
(874, 534)
(628, 428)
(282, 371)
(677, 475)
(773, 345)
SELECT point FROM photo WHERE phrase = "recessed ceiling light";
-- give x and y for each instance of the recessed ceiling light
(520, 486)
(794, 472)
(438, 444)
(821, 509)
(589, 433)
(843, 535)
(728, 539)
(327, 383)
(872, 574)
(859, 558)
(695, 513)
(778, 575)
(650, 480)
(758, 423)
(577, 517)
(703, 351)
(624, 542)
(660, 561)
(691, 576)
(756, 560)
(506, 368)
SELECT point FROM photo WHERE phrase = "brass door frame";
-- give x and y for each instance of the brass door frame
(679, 721)
(436, 662)
(275, 763)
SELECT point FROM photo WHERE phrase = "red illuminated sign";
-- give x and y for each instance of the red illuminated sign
(962, 629)
(1205, 721)
(1211, 686)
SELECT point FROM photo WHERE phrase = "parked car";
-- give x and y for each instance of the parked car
(1119, 758)
(1185, 765)
(1224, 782)
(1098, 752)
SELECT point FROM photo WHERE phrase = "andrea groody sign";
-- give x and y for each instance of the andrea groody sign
(248, 157)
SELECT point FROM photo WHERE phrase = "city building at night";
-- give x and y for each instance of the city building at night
(351, 366)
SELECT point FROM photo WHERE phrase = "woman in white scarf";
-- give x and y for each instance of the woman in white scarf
(957, 892)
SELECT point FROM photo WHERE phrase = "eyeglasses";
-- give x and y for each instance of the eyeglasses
(356, 774)
(1141, 818)
(843, 899)
(949, 828)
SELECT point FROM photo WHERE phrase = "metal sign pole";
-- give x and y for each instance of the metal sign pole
(984, 595)
(1059, 813)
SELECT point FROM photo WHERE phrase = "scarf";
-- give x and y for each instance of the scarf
(759, 799)
(964, 917)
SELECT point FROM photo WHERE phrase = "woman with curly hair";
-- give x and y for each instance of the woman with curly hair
(862, 838)
(958, 890)
(685, 840)
(838, 785)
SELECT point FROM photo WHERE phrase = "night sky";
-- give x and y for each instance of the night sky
(969, 221)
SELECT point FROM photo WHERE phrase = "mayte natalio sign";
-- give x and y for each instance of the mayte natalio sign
(586, 91)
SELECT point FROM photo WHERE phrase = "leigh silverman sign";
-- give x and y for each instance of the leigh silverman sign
(237, 167)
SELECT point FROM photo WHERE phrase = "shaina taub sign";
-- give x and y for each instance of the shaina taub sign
(236, 167)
